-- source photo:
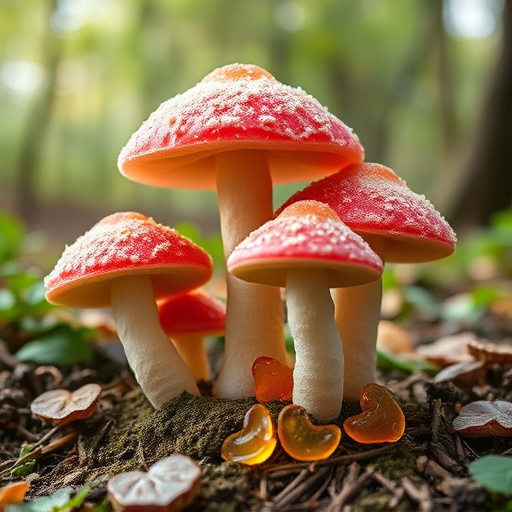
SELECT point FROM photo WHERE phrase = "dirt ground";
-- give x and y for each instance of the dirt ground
(425, 470)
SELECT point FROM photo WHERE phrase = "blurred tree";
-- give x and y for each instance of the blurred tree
(484, 185)
(36, 125)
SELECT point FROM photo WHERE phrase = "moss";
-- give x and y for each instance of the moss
(191, 425)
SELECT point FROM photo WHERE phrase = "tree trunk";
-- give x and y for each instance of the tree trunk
(485, 183)
(32, 141)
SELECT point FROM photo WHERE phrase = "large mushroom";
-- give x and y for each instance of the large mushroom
(239, 130)
(400, 226)
(126, 261)
(308, 250)
(188, 319)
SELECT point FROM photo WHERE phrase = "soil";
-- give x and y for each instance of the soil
(425, 470)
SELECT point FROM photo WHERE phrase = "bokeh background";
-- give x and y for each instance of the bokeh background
(426, 85)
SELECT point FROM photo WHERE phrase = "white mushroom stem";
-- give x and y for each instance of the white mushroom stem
(357, 314)
(192, 350)
(318, 372)
(254, 316)
(158, 368)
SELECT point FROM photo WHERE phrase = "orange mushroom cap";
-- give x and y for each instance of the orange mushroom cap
(126, 243)
(374, 202)
(235, 107)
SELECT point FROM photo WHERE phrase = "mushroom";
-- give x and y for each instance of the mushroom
(308, 250)
(187, 319)
(239, 130)
(126, 261)
(400, 226)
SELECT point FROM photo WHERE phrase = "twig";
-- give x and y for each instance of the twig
(300, 489)
(297, 466)
(352, 486)
(420, 495)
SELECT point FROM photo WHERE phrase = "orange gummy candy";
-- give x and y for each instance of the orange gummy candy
(256, 441)
(272, 380)
(301, 439)
(381, 421)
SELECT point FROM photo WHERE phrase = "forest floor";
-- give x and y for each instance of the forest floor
(426, 470)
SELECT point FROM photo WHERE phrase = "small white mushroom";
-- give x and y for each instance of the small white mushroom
(308, 250)
(126, 261)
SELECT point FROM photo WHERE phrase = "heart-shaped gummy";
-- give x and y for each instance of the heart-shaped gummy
(382, 419)
(272, 380)
(256, 441)
(301, 439)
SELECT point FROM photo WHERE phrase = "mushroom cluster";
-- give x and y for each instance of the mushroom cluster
(240, 131)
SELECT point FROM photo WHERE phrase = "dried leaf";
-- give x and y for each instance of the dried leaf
(483, 418)
(60, 406)
(170, 484)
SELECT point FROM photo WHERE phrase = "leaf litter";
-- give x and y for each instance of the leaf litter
(427, 469)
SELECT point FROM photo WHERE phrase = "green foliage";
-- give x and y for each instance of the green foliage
(494, 472)
(25, 463)
(62, 344)
(387, 362)
(60, 501)
(212, 244)
(11, 237)
(25, 311)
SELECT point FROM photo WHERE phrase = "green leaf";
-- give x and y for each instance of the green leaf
(60, 345)
(58, 501)
(11, 236)
(387, 361)
(494, 472)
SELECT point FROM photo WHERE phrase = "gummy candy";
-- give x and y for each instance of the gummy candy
(256, 441)
(301, 439)
(272, 380)
(381, 421)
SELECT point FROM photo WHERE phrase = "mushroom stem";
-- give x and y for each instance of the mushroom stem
(318, 372)
(158, 368)
(191, 349)
(357, 313)
(254, 313)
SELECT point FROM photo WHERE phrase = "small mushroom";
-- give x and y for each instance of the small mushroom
(170, 485)
(187, 319)
(126, 261)
(60, 406)
(400, 226)
(308, 250)
(239, 131)
(482, 419)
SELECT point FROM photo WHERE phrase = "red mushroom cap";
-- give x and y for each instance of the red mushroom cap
(372, 200)
(194, 312)
(307, 234)
(126, 243)
(238, 106)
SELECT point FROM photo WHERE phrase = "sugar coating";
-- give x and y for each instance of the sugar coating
(243, 106)
(309, 237)
(122, 242)
(371, 198)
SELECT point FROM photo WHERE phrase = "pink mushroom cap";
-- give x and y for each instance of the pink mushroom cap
(238, 106)
(373, 201)
(126, 243)
(306, 234)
